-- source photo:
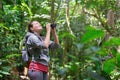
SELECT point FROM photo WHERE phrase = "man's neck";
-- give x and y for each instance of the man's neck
(37, 33)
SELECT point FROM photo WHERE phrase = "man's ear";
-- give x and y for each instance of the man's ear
(31, 28)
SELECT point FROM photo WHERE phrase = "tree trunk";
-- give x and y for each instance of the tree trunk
(52, 17)
(52, 11)
(0, 5)
(110, 20)
(118, 9)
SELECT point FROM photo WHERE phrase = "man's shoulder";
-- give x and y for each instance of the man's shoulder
(33, 36)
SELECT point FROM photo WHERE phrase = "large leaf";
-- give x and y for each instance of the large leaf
(112, 42)
(109, 65)
(92, 34)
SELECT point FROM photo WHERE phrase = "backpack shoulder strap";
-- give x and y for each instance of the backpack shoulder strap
(39, 37)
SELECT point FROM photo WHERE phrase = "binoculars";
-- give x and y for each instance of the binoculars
(53, 25)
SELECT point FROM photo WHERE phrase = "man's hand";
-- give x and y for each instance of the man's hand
(56, 40)
(47, 38)
(48, 28)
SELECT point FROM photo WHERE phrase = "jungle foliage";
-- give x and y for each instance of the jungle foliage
(88, 31)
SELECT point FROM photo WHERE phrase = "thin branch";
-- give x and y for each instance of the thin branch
(57, 11)
(67, 16)
(96, 15)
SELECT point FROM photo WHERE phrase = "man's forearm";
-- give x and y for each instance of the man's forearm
(47, 39)
(56, 40)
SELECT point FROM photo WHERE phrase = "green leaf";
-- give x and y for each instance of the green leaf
(118, 59)
(79, 46)
(67, 34)
(112, 42)
(6, 68)
(13, 55)
(1, 76)
(109, 65)
(62, 71)
(103, 52)
(74, 68)
(92, 34)
(27, 7)
(4, 72)
(2, 25)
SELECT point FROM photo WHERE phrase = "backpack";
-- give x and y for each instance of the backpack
(25, 52)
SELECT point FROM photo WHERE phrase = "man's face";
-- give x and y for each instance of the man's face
(36, 26)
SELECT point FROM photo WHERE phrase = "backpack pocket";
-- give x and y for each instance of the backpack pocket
(25, 56)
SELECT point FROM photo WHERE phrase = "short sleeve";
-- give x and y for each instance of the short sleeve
(53, 45)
